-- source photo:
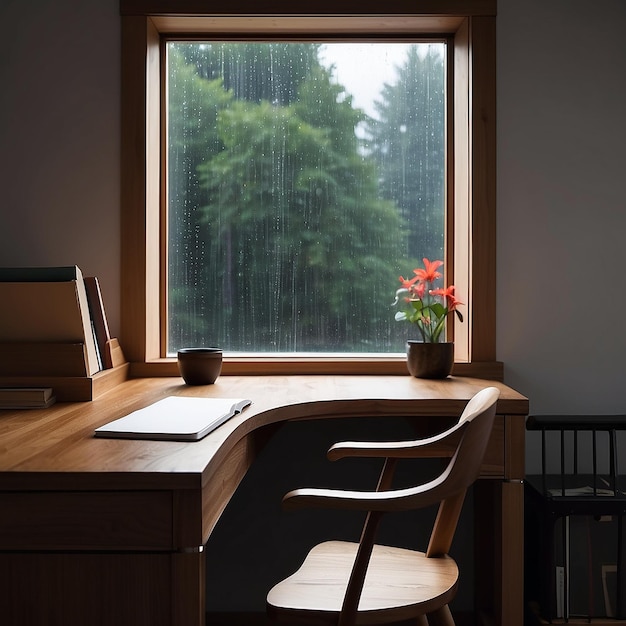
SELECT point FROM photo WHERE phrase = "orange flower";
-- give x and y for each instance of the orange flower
(421, 308)
(417, 291)
(448, 294)
(406, 282)
(429, 274)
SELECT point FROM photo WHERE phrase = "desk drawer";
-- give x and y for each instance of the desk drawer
(86, 520)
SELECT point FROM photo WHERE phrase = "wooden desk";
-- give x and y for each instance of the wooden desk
(98, 531)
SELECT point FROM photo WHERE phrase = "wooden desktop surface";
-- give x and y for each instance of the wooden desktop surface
(137, 512)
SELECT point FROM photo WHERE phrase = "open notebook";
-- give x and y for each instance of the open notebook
(175, 418)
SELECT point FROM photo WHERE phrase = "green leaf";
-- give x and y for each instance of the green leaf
(438, 329)
(438, 309)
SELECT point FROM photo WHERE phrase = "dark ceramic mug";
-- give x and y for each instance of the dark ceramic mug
(200, 366)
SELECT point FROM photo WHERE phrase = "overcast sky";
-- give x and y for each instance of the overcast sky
(363, 68)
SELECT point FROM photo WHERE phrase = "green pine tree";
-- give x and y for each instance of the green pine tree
(408, 143)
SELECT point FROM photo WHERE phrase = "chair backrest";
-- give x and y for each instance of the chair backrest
(464, 467)
(479, 415)
(480, 402)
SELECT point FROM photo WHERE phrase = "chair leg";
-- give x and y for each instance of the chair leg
(421, 621)
(441, 617)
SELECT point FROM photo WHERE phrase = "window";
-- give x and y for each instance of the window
(302, 180)
(469, 165)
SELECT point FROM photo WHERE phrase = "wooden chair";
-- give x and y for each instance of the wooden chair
(347, 583)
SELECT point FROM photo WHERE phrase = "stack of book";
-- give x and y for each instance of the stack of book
(26, 397)
(53, 328)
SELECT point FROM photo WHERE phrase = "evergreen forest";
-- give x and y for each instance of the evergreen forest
(291, 211)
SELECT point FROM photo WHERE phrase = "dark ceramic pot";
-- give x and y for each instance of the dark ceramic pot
(200, 366)
(429, 360)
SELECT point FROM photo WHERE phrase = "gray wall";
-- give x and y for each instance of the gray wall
(60, 138)
(561, 204)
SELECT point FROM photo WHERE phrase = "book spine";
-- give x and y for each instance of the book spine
(38, 274)
(98, 317)
(93, 359)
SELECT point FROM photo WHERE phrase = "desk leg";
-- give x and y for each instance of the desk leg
(499, 557)
(513, 552)
(188, 588)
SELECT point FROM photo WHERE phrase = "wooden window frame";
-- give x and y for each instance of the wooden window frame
(471, 262)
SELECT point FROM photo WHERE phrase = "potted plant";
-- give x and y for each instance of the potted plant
(427, 308)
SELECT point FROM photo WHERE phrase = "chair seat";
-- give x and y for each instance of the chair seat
(400, 584)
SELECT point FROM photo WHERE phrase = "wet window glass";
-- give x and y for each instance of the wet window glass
(302, 180)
